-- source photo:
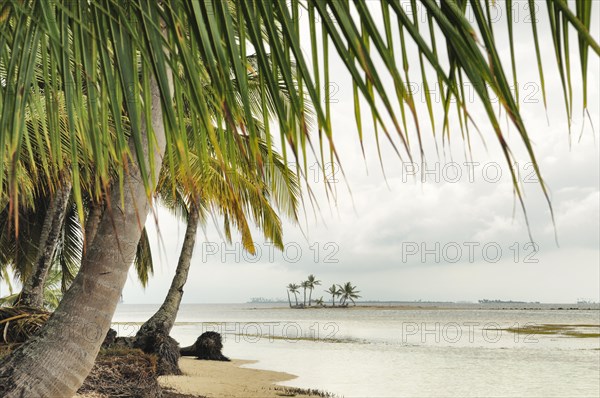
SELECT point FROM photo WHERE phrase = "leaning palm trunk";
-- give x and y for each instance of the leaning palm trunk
(157, 328)
(55, 362)
(32, 293)
(93, 220)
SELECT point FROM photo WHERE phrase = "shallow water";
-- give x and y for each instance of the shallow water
(424, 350)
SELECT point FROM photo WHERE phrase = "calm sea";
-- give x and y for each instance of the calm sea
(423, 350)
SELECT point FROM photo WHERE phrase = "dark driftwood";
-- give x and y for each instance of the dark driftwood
(207, 346)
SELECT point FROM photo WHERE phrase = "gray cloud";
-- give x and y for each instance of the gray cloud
(370, 230)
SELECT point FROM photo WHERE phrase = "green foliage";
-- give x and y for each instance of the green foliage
(91, 61)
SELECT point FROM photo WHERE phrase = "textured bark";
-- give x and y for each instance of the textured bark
(164, 319)
(56, 361)
(32, 294)
(92, 222)
(153, 336)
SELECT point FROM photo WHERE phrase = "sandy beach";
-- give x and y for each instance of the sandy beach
(228, 380)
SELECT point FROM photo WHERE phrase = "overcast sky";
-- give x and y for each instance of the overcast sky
(459, 235)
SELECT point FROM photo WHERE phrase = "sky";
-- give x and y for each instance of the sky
(454, 233)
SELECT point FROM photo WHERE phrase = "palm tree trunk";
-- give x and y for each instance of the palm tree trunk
(92, 222)
(304, 302)
(55, 362)
(333, 299)
(289, 298)
(309, 297)
(296, 297)
(163, 320)
(32, 293)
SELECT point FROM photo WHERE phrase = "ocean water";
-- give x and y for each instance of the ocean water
(419, 350)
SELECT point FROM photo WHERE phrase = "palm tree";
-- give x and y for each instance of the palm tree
(304, 285)
(52, 291)
(50, 241)
(348, 292)
(253, 195)
(319, 301)
(111, 62)
(312, 282)
(32, 293)
(334, 291)
(289, 297)
(293, 288)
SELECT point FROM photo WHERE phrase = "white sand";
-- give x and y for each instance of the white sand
(226, 379)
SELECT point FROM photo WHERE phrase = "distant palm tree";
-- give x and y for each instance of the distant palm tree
(319, 301)
(293, 288)
(305, 285)
(312, 281)
(334, 291)
(348, 292)
(289, 298)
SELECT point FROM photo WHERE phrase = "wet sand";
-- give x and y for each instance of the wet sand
(227, 379)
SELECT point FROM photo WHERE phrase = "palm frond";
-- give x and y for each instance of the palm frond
(96, 58)
(143, 264)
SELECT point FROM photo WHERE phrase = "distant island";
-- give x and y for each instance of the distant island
(486, 301)
(255, 300)
(346, 293)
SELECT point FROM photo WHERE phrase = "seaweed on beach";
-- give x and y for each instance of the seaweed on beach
(170, 393)
(294, 391)
(558, 329)
(123, 372)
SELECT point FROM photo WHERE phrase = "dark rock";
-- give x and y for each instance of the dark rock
(208, 346)
(110, 338)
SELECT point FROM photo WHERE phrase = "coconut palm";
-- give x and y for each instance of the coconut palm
(32, 293)
(288, 295)
(348, 292)
(52, 291)
(319, 301)
(35, 269)
(293, 288)
(304, 285)
(255, 197)
(312, 282)
(334, 291)
(47, 243)
(132, 73)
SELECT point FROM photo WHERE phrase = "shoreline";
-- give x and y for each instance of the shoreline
(231, 380)
(432, 307)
